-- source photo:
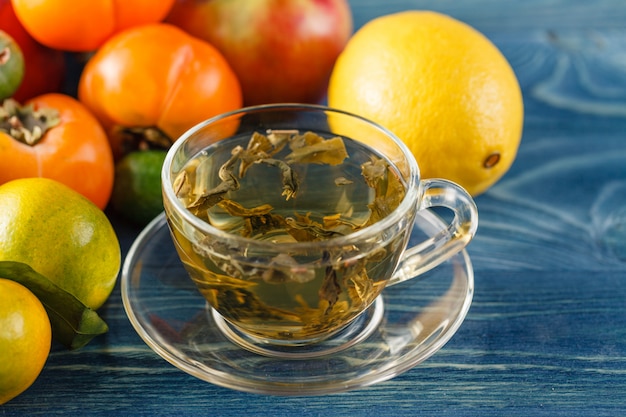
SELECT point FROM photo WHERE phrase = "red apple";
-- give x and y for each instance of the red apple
(281, 50)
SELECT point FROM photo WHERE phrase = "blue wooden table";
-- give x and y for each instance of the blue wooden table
(546, 333)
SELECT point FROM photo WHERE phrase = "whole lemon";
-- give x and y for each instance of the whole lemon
(25, 339)
(60, 234)
(442, 87)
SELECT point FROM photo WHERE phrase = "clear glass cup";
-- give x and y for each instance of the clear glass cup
(294, 267)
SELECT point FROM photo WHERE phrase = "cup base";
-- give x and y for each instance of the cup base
(353, 333)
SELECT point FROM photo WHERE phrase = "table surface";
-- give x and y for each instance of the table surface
(546, 332)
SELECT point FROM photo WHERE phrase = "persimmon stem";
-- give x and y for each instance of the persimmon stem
(141, 138)
(25, 123)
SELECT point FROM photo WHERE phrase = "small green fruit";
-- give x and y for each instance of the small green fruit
(137, 187)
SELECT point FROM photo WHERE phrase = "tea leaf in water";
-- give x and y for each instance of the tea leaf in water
(262, 224)
(182, 186)
(360, 287)
(330, 288)
(259, 147)
(374, 171)
(289, 177)
(235, 209)
(243, 304)
(208, 247)
(339, 181)
(280, 137)
(383, 205)
(284, 268)
(389, 190)
(205, 199)
(335, 221)
(305, 229)
(263, 147)
(355, 276)
(321, 317)
(211, 280)
(311, 148)
(256, 221)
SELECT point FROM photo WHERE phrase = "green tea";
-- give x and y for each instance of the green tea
(286, 187)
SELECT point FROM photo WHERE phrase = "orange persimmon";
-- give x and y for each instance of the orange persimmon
(155, 82)
(82, 26)
(55, 136)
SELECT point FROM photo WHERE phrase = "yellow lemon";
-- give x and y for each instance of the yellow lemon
(442, 87)
(25, 339)
(61, 235)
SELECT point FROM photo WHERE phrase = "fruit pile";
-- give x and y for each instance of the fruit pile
(86, 121)
(140, 74)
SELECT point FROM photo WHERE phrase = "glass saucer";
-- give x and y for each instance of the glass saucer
(411, 321)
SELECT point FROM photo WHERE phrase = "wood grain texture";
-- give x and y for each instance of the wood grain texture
(546, 333)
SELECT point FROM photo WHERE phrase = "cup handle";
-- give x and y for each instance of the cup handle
(447, 242)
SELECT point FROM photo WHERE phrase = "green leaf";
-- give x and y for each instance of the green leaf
(73, 323)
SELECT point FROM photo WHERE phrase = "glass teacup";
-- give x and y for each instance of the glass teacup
(292, 219)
